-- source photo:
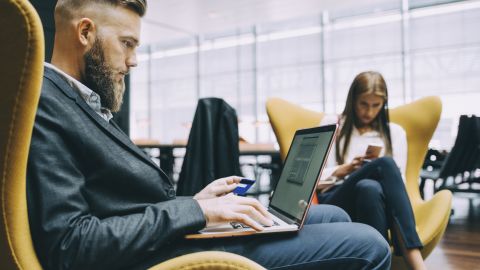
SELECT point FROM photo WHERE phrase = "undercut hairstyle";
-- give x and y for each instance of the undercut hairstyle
(68, 9)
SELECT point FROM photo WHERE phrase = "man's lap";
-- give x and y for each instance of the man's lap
(327, 240)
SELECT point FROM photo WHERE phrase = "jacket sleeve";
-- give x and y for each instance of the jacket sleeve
(65, 232)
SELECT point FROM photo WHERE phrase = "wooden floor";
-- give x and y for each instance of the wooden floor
(460, 246)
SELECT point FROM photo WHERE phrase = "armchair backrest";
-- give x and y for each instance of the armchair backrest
(464, 153)
(22, 54)
(419, 119)
(286, 117)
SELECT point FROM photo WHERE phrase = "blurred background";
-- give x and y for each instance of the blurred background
(308, 52)
(305, 51)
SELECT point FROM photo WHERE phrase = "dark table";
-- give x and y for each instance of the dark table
(167, 158)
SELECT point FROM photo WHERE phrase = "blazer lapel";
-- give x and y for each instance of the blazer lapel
(111, 129)
(120, 135)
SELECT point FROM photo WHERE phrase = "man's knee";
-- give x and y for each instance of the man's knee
(325, 213)
(367, 239)
(352, 242)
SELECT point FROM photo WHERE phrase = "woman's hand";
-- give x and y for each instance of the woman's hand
(218, 188)
(347, 168)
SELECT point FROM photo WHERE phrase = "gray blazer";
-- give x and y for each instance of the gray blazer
(95, 200)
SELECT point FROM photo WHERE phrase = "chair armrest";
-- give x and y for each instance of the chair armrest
(432, 216)
(209, 260)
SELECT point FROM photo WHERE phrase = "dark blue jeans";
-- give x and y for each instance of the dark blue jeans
(327, 241)
(375, 195)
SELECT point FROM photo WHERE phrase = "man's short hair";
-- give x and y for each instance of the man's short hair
(68, 8)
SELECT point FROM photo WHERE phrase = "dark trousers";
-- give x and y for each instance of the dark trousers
(327, 241)
(375, 195)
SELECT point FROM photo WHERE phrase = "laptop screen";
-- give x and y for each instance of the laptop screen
(305, 158)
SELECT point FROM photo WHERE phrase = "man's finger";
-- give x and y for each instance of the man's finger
(233, 179)
(223, 189)
(254, 214)
(245, 219)
(256, 204)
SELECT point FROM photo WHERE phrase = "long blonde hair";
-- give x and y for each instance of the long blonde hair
(368, 82)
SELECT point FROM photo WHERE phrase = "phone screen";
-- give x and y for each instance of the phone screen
(243, 186)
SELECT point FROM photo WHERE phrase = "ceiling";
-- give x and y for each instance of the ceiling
(167, 20)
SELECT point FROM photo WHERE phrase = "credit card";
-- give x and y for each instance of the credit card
(243, 186)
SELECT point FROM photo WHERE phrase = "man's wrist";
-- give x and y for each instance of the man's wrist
(201, 204)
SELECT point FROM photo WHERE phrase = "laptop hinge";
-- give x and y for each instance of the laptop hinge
(282, 217)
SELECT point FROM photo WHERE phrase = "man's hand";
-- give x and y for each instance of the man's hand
(347, 168)
(232, 208)
(218, 188)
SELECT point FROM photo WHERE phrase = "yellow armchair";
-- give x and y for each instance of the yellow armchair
(22, 54)
(286, 118)
(419, 119)
(208, 260)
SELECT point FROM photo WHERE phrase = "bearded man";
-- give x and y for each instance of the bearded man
(96, 201)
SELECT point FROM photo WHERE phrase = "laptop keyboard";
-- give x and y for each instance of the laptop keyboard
(239, 225)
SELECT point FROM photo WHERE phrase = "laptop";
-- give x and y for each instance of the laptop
(293, 194)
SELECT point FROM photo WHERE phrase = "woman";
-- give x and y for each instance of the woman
(373, 192)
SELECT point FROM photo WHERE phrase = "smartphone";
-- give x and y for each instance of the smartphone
(373, 151)
(243, 186)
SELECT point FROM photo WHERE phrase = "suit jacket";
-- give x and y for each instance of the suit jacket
(212, 148)
(95, 200)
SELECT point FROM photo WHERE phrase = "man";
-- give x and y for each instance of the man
(96, 201)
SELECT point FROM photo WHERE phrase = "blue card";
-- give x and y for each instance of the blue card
(243, 186)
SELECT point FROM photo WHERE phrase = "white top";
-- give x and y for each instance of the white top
(359, 142)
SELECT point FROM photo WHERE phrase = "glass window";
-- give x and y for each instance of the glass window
(445, 61)
(299, 61)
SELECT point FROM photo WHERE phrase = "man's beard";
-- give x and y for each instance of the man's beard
(99, 78)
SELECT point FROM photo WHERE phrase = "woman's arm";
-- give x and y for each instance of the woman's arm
(347, 168)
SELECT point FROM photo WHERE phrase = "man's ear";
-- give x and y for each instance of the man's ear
(86, 32)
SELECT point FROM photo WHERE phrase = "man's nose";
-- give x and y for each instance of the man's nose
(132, 60)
